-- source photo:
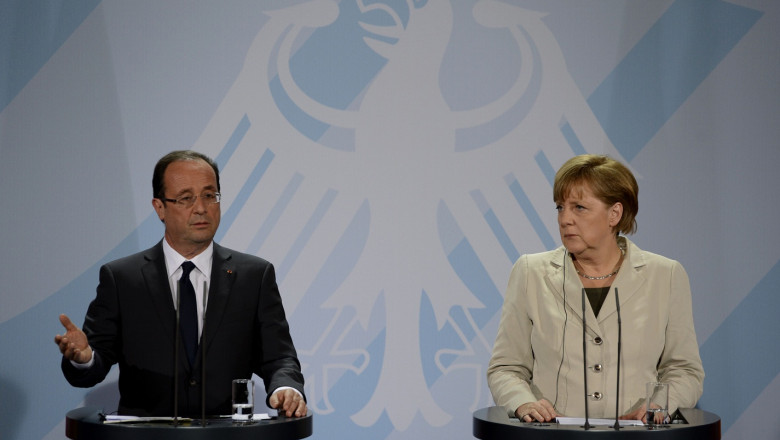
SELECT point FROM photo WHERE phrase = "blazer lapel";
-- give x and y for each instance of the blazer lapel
(567, 277)
(563, 281)
(628, 281)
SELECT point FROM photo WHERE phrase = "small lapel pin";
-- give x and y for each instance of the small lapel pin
(229, 271)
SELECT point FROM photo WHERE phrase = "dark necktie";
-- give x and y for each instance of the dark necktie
(188, 314)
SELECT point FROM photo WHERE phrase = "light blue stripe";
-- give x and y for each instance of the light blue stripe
(530, 212)
(276, 213)
(328, 279)
(469, 268)
(243, 195)
(480, 200)
(665, 67)
(306, 233)
(741, 357)
(495, 225)
(466, 263)
(502, 237)
(32, 411)
(336, 268)
(545, 166)
(31, 31)
(474, 275)
(571, 138)
(232, 144)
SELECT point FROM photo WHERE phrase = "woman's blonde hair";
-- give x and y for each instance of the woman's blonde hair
(610, 181)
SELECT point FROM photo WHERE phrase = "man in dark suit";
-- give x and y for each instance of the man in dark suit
(132, 320)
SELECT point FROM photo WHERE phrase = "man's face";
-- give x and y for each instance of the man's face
(188, 230)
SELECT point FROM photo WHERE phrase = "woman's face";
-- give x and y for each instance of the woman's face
(585, 222)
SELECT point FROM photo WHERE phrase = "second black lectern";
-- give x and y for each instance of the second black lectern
(494, 424)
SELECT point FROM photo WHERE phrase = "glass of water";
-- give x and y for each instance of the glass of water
(657, 403)
(243, 400)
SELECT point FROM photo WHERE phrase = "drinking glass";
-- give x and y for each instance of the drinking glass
(657, 403)
(243, 400)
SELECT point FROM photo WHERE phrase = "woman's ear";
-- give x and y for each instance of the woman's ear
(615, 214)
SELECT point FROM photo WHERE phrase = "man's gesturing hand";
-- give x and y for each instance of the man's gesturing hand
(73, 344)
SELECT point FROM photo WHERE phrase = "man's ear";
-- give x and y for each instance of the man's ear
(159, 208)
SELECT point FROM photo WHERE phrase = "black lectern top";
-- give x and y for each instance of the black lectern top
(494, 424)
(86, 424)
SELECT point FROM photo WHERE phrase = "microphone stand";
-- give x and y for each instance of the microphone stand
(177, 345)
(203, 361)
(617, 387)
(585, 362)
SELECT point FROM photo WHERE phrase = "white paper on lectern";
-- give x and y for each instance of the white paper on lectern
(597, 422)
(113, 418)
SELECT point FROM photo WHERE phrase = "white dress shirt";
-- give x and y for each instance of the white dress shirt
(200, 276)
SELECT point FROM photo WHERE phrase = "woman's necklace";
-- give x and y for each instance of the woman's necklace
(603, 277)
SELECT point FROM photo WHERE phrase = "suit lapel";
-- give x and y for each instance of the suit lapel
(158, 288)
(223, 273)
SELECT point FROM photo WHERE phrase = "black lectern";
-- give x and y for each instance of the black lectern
(493, 424)
(86, 424)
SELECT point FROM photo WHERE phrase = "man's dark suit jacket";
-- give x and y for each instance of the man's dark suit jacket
(132, 322)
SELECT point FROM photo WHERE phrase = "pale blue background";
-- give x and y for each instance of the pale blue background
(92, 93)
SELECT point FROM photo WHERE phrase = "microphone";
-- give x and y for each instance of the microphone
(177, 346)
(203, 360)
(617, 386)
(584, 362)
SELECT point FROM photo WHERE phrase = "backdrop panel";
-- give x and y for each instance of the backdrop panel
(393, 159)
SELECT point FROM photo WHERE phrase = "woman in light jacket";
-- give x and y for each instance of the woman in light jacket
(536, 370)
